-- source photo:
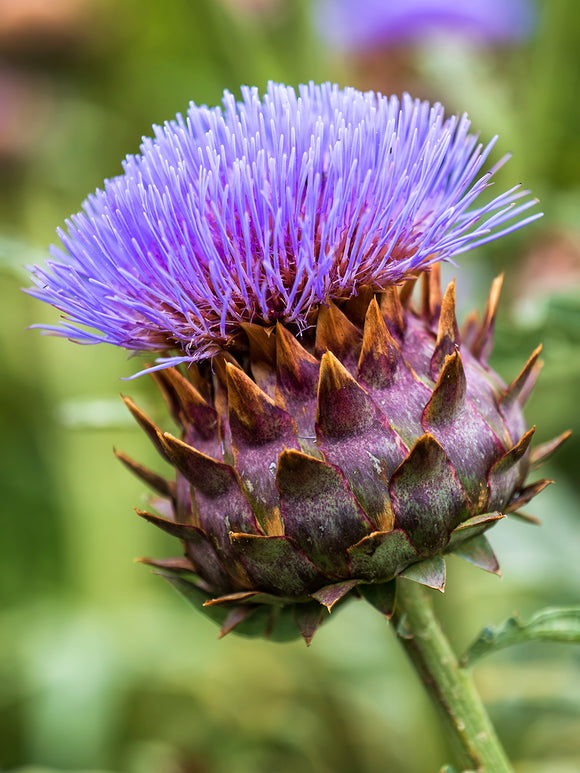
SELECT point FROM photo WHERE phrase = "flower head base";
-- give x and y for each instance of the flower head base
(260, 211)
(328, 467)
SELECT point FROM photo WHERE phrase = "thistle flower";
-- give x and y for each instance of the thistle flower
(334, 436)
(355, 25)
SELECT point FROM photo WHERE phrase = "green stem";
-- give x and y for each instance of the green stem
(450, 686)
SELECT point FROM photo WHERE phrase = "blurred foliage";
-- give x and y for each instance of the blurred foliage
(103, 668)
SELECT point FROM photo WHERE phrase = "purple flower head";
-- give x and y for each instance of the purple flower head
(358, 24)
(265, 208)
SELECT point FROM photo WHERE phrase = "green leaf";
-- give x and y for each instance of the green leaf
(559, 624)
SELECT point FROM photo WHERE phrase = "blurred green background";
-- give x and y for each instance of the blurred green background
(103, 668)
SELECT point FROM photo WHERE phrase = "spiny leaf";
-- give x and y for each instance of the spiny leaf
(554, 624)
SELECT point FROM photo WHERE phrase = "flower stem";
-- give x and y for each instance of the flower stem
(450, 686)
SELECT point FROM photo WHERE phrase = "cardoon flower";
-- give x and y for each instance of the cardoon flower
(335, 435)
(358, 24)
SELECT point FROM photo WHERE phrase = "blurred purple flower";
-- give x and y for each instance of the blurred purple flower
(259, 211)
(358, 24)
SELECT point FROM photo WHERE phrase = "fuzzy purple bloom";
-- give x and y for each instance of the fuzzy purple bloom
(262, 210)
(358, 24)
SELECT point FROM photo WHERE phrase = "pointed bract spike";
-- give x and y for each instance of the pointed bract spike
(471, 528)
(232, 598)
(381, 596)
(262, 355)
(308, 617)
(455, 422)
(151, 429)
(275, 564)
(262, 342)
(195, 596)
(483, 343)
(479, 552)
(202, 471)
(184, 399)
(392, 312)
(255, 419)
(355, 435)
(161, 485)
(182, 531)
(519, 389)
(219, 365)
(179, 565)
(218, 500)
(513, 456)
(427, 497)
(406, 292)
(381, 556)
(260, 431)
(447, 332)
(331, 594)
(336, 333)
(291, 356)
(191, 411)
(469, 329)
(296, 382)
(235, 617)
(505, 475)
(429, 572)
(380, 354)
(355, 308)
(343, 407)
(527, 494)
(484, 519)
(319, 511)
(431, 292)
(449, 394)
(527, 518)
(542, 452)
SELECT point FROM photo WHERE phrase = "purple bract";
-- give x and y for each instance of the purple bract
(262, 210)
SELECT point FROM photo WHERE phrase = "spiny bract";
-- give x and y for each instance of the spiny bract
(317, 467)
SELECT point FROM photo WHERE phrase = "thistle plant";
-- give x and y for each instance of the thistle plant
(340, 434)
